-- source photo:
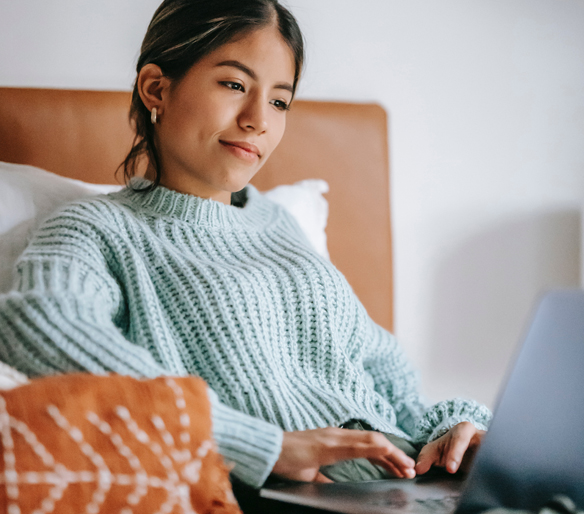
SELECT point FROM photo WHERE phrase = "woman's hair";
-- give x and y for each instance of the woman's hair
(180, 34)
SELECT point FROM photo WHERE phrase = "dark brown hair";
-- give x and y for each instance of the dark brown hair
(180, 34)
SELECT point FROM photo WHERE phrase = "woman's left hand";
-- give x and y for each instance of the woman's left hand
(453, 451)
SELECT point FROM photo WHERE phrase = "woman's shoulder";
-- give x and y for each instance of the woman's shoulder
(81, 228)
(78, 231)
(96, 210)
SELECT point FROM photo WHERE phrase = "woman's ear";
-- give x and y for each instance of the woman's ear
(152, 86)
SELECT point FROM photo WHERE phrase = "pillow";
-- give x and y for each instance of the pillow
(28, 195)
(305, 202)
(101, 444)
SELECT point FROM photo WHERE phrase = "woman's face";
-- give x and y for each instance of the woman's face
(219, 124)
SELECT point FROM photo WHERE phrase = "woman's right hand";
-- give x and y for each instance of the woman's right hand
(303, 453)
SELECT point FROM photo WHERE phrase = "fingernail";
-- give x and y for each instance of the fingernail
(410, 473)
(452, 466)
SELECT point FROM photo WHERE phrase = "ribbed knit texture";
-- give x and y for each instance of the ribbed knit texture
(166, 283)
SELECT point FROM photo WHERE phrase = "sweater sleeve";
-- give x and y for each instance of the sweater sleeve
(62, 317)
(253, 446)
(396, 380)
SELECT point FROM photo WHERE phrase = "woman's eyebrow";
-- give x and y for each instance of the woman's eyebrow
(253, 75)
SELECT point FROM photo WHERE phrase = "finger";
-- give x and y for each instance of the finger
(402, 462)
(429, 455)
(374, 446)
(350, 444)
(406, 472)
(401, 459)
(394, 459)
(388, 466)
(457, 446)
(471, 450)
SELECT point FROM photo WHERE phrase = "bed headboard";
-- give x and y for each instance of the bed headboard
(86, 134)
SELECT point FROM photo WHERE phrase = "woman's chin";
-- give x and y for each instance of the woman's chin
(240, 179)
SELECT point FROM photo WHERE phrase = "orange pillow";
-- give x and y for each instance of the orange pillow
(110, 444)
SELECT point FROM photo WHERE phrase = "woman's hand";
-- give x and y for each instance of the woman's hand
(453, 451)
(303, 453)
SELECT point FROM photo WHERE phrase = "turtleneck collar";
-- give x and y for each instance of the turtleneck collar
(195, 210)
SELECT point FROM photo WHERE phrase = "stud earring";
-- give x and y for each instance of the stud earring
(153, 115)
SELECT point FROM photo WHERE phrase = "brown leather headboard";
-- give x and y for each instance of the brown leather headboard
(86, 134)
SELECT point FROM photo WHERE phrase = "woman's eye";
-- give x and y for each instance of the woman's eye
(235, 86)
(280, 105)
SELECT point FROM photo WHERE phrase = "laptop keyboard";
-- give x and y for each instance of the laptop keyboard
(399, 501)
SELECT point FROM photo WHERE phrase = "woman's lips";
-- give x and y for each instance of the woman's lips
(243, 150)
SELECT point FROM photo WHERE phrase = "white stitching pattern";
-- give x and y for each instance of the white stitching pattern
(182, 470)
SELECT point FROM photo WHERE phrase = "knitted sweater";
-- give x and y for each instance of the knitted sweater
(167, 283)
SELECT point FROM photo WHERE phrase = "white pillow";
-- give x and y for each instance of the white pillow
(305, 202)
(28, 195)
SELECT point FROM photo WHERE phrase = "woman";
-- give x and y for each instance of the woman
(191, 271)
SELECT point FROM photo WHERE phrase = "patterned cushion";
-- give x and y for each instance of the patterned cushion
(110, 444)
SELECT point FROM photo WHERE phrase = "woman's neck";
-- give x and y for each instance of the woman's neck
(187, 187)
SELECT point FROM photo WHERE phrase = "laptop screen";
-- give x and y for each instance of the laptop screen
(534, 449)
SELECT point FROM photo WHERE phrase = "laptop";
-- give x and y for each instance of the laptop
(533, 451)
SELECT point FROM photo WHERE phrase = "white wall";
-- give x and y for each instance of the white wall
(486, 104)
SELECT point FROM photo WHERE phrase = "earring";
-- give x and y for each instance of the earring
(153, 116)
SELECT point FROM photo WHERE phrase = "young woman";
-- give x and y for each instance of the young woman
(191, 271)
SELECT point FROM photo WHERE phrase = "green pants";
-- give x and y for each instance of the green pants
(360, 470)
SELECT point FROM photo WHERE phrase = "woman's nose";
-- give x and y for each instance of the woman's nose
(254, 116)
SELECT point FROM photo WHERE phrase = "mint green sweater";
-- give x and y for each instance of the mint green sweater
(166, 283)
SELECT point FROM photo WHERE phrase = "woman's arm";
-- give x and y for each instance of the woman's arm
(59, 319)
(250, 444)
(67, 313)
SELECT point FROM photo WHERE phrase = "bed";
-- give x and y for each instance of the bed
(84, 135)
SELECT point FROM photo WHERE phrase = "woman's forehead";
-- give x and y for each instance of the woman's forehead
(262, 53)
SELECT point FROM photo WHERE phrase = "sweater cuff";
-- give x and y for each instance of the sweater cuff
(440, 418)
(251, 444)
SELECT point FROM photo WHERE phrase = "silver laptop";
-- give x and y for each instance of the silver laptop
(534, 449)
